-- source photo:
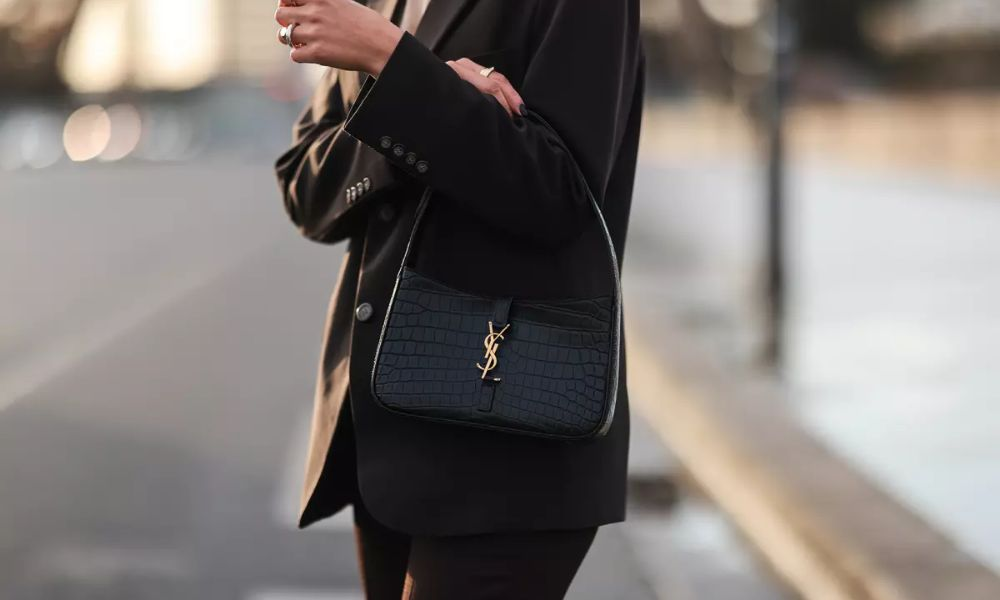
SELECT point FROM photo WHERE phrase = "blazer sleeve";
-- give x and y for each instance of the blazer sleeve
(581, 76)
(318, 173)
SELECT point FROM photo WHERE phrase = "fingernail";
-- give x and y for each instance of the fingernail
(523, 109)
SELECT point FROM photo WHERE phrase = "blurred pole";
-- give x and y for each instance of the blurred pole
(777, 95)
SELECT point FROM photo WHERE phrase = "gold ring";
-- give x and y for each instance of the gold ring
(487, 72)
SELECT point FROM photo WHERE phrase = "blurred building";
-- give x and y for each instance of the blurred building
(31, 35)
(939, 43)
(96, 46)
(719, 46)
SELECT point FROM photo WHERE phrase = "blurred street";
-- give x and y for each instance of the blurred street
(812, 292)
(156, 379)
(157, 367)
(891, 372)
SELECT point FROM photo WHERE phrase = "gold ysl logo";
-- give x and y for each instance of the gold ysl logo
(492, 344)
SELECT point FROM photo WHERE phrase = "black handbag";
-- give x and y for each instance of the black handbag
(538, 368)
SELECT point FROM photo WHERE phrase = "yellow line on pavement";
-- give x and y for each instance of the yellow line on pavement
(729, 476)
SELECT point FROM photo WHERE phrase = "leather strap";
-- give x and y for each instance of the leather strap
(501, 312)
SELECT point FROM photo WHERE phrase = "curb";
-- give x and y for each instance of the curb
(827, 531)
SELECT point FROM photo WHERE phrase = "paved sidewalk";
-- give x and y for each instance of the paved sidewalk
(673, 546)
(893, 315)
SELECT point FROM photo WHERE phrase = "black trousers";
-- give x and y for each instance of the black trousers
(535, 565)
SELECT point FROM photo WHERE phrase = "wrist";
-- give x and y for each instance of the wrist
(384, 42)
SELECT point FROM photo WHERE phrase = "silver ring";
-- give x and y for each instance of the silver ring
(487, 72)
(285, 34)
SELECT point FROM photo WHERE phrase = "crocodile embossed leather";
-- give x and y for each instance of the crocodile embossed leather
(547, 369)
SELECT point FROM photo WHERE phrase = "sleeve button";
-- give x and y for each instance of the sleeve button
(385, 142)
(347, 194)
(398, 150)
(411, 159)
(386, 212)
(364, 312)
(423, 167)
(366, 183)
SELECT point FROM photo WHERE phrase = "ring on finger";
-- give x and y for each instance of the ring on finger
(285, 34)
(487, 72)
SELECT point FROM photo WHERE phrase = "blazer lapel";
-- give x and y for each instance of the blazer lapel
(441, 15)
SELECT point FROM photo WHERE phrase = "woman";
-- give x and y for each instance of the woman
(444, 511)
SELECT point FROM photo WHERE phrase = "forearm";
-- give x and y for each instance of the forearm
(381, 44)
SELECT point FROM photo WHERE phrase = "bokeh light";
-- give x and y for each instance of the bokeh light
(87, 133)
(30, 139)
(146, 43)
(96, 58)
(733, 13)
(126, 130)
(180, 42)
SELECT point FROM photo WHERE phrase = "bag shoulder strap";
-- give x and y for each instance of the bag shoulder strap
(612, 259)
(428, 192)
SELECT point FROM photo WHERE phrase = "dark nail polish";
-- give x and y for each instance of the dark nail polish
(523, 109)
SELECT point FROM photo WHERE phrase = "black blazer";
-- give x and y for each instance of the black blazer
(506, 218)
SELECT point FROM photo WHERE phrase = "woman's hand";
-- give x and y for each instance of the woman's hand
(339, 33)
(495, 85)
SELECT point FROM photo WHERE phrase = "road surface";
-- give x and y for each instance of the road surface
(159, 331)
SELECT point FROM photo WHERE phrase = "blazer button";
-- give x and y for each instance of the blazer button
(385, 142)
(411, 159)
(386, 212)
(364, 312)
(398, 150)
(422, 167)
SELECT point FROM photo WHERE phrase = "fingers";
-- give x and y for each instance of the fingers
(484, 85)
(513, 97)
(306, 43)
(304, 54)
(288, 14)
(480, 83)
(496, 85)
(507, 89)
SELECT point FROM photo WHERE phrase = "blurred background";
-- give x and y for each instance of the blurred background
(818, 204)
